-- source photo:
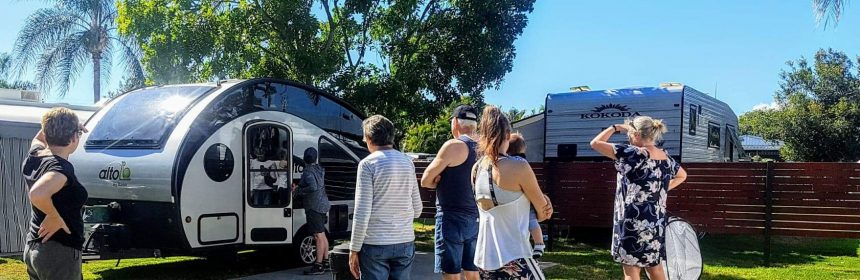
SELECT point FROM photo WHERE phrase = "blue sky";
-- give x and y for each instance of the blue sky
(737, 47)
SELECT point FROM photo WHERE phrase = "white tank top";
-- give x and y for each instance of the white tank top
(503, 231)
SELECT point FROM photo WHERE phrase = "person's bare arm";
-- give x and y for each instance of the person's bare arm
(679, 178)
(528, 183)
(600, 142)
(447, 156)
(40, 196)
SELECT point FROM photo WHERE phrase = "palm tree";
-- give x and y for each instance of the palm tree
(828, 9)
(5, 68)
(515, 114)
(61, 40)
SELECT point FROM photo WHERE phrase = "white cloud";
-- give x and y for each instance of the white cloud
(766, 106)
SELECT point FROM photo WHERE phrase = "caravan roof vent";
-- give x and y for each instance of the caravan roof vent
(18, 94)
(579, 88)
(671, 84)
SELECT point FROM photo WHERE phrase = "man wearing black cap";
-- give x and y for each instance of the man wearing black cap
(312, 189)
(456, 210)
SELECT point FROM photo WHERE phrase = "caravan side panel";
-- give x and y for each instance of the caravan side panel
(532, 130)
(575, 118)
(701, 112)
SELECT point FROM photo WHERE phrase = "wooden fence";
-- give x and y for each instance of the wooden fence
(790, 199)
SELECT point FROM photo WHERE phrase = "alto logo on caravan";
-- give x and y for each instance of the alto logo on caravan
(620, 111)
(121, 172)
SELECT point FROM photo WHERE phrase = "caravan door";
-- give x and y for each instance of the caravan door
(268, 179)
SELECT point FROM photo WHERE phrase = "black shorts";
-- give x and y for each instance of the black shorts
(316, 221)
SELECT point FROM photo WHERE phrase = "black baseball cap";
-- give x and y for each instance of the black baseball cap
(465, 112)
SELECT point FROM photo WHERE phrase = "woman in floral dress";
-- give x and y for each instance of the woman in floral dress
(645, 174)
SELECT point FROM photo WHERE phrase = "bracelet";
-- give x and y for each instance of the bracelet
(614, 128)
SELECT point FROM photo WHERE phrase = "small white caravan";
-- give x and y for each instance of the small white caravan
(176, 170)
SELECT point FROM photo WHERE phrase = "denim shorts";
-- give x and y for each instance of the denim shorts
(533, 223)
(386, 261)
(315, 221)
(456, 238)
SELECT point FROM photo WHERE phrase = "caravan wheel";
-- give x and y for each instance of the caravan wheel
(305, 247)
(308, 249)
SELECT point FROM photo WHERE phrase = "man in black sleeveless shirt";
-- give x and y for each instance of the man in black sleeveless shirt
(456, 211)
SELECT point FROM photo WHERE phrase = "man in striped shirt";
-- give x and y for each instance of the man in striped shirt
(386, 202)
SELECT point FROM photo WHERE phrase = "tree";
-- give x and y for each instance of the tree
(406, 60)
(515, 114)
(760, 122)
(59, 41)
(126, 85)
(827, 10)
(818, 117)
(5, 69)
(428, 136)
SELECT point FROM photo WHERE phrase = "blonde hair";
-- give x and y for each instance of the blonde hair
(494, 129)
(648, 128)
(60, 125)
(517, 144)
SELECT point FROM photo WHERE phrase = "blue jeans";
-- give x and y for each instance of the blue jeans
(383, 262)
(456, 237)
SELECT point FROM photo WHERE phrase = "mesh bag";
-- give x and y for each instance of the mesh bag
(683, 258)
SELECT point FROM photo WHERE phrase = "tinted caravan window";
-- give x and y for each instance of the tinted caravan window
(713, 135)
(320, 111)
(144, 118)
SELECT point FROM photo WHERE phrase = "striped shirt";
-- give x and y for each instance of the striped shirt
(386, 200)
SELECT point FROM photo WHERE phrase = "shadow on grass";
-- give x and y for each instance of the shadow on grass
(748, 251)
(584, 262)
(248, 263)
(711, 276)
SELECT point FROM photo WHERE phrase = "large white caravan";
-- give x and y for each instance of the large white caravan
(701, 128)
(172, 170)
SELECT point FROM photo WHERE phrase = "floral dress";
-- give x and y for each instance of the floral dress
(640, 218)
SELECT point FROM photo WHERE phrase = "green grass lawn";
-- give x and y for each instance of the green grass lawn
(725, 257)
(248, 263)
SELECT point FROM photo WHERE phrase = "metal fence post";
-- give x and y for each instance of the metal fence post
(768, 212)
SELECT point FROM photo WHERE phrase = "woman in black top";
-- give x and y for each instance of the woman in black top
(56, 234)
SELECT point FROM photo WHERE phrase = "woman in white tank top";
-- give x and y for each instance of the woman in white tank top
(504, 190)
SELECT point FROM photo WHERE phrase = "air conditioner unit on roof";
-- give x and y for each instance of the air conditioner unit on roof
(18, 94)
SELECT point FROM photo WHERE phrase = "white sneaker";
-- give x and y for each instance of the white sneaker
(538, 251)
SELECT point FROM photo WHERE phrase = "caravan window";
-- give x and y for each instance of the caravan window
(713, 135)
(321, 111)
(693, 119)
(340, 170)
(144, 118)
(269, 173)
